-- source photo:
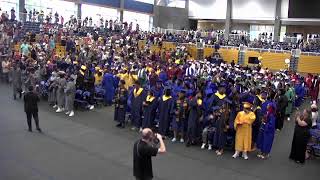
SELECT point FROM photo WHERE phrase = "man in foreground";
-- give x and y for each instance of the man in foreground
(143, 150)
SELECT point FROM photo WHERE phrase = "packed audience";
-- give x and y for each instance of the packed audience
(213, 37)
(219, 105)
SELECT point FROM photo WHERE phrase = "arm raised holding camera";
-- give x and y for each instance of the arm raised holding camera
(162, 148)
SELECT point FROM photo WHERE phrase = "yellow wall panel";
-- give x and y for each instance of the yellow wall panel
(309, 64)
(168, 45)
(155, 48)
(207, 52)
(192, 51)
(229, 54)
(274, 61)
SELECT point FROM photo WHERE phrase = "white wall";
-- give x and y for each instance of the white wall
(253, 9)
(207, 9)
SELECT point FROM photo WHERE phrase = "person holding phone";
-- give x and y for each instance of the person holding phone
(143, 150)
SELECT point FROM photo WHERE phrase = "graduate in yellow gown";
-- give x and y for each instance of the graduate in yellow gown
(243, 127)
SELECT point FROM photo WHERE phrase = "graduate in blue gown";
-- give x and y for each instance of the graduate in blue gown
(137, 98)
(219, 96)
(108, 84)
(221, 125)
(163, 76)
(194, 117)
(179, 122)
(258, 100)
(207, 102)
(149, 110)
(158, 89)
(177, 87)
(120, 107)
(166, 111)
(299, 90)
(234, 108)
(266, 133)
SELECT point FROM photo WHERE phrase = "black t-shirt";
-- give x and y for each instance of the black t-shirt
(142, 164)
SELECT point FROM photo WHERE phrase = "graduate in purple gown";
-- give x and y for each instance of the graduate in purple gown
(221, 125)
(179, 122)
(266, 133)
(137, 98)
(194, 117)
(299, 90)
(166, 111)
(149, 110)
(108, 84)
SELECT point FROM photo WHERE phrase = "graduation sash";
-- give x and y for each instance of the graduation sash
(220, 96)
(150, 98)
(137, 93)
(261, 99)
(81, 72)
(165, 98)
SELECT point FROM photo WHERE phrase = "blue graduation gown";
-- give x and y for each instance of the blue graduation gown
(120, 107)
(158, 92)
(207, 102)
(176, 90)
(163, 76)
(220, 136)
(149, 113)
(193, 120)
(266, 135)
(216, 101)
(179, 122)
(264, 106)
(257, 123)
(300, 94)
(136, 108)
(166, 111)
(108, 83)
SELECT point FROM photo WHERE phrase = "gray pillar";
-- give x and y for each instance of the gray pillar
(22, 4)
(121, 10)
(155, 15)
(228, 19)
(277, 22)
(187, 5)
(79, 12)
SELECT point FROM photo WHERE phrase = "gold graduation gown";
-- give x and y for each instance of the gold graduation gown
(243, 126)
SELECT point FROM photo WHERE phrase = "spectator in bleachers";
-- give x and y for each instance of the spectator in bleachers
(13, 14)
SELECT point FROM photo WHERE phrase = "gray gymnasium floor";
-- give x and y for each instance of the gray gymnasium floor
(90, 147)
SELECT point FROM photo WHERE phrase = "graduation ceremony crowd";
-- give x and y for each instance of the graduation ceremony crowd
(207, 102)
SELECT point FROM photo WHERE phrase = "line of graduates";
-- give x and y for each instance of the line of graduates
(218, 114)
